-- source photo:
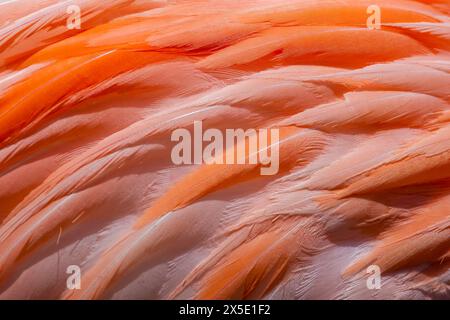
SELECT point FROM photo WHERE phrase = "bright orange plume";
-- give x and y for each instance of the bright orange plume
(93, 92)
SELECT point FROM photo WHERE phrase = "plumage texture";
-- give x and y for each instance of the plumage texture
(86, 176)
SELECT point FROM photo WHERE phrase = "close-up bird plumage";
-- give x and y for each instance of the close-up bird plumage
(91, 93)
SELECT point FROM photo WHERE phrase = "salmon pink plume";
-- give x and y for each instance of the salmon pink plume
(239, 149)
